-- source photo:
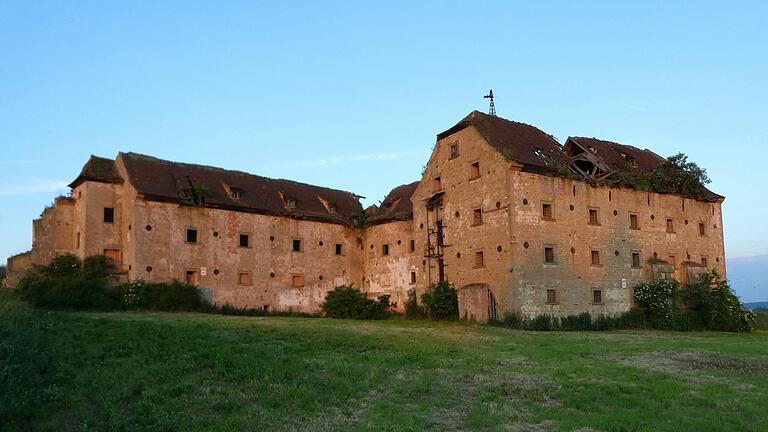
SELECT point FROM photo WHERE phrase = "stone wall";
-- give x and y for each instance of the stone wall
(393, 271)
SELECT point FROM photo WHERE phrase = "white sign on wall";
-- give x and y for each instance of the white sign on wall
(623, 283)
(203, 271)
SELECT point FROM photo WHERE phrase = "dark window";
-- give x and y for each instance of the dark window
(593, 217)
(636, 259)
(704, 261)
(546, 211)
(597, 296)
(551, 296)
(479, 261)
(413, 246)
(454, 150)
(595, 258)
(244, 240)
(190, 277)
(290, 203)
(191, 235)
(702, 229)
(338, 249)
(477, 217)
(633, 222)
(413, 277)
(109, 215)
(296, 245)
(670, 225)
(549, 255)
(474, 170)
(385, 249)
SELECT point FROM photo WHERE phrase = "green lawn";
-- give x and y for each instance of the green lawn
(155, 371)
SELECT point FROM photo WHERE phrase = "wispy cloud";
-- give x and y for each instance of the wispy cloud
(340, 160)
(635, 107)
(33, 186)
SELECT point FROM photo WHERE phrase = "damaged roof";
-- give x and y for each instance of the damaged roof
(520, 142)
(617, 155)
(162, 180)
(396, 206)
(98, 169)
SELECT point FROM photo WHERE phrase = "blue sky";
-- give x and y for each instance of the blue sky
(351, 95)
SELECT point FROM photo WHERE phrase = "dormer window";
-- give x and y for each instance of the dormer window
(332, 208)
(235, 193)
(290, 203)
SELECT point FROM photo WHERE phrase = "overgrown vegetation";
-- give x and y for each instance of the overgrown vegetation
(632, 319)
(349, 302)
(441, 302)
(2, 275)
(676, 175)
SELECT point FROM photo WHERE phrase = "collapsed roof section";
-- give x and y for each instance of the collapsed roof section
(396, 206)
(98, 169)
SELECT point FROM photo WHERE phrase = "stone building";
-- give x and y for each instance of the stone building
(516, 221)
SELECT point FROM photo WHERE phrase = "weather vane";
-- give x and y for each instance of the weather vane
(492, 109)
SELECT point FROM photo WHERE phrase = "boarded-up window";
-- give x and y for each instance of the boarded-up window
(551, 296)
(297, 280)
(454, 149)
(595, 258)
(546, 211)
(244, 278)
(593, 217)
(672, 260)
(191, 277)
(244, 240)
(109, 215)
(385, 249)
(636, 259)
(296, 245)
(702, 229)
(597, 296)
(474, 170)
(114, 255)
(549, 255)
(670, 225)
(437, 184)
(413, 277)
(633, 224)
(338, 249)
(479, 259)
(477, 217)
(191, 235)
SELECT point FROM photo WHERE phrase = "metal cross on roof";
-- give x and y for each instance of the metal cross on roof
(492, 109)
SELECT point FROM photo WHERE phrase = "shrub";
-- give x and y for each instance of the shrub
(347, 301)
(657, 298)
(543, 323)
(440, 301)
(164, 296)
(580, 322)
(412, 308)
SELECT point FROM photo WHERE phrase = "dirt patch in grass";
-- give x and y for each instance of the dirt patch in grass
(698, 361)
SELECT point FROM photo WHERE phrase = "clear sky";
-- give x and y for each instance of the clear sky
(351, 95)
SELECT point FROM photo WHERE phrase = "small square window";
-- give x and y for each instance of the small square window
(672, 260)
(474, 170)
(549, 255)
(670, 225)
(109, 215)
(704, 261)
(551, 296)
(412, 246)
(191, 277)
(296, 245)
(385, 249)
(479, 259)
(595, 258)
(454, 149)
(702, 229)
(593, 217)
(297, 280)
(191, 235)
(413, 278)
(597, 296)
(636, 259)
(338, 248)
(244, 278)
(244, 240)
(477, 216)
(546, 212)
(633, 224)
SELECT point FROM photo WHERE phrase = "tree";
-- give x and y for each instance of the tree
(2, 274)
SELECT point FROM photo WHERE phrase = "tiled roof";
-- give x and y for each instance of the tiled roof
(163, 180)
(396, 206)
(98, 169)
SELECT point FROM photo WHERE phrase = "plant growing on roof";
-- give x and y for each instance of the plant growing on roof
(196, 194)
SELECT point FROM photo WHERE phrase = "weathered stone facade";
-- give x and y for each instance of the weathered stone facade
(489, 214)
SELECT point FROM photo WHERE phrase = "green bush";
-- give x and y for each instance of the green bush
(441, 302)
(580, 322)
(347, 301)
(543, 323)
(412, 308)
(657, 299)
(163, 296)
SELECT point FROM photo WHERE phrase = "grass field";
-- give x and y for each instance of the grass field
(153, 371)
